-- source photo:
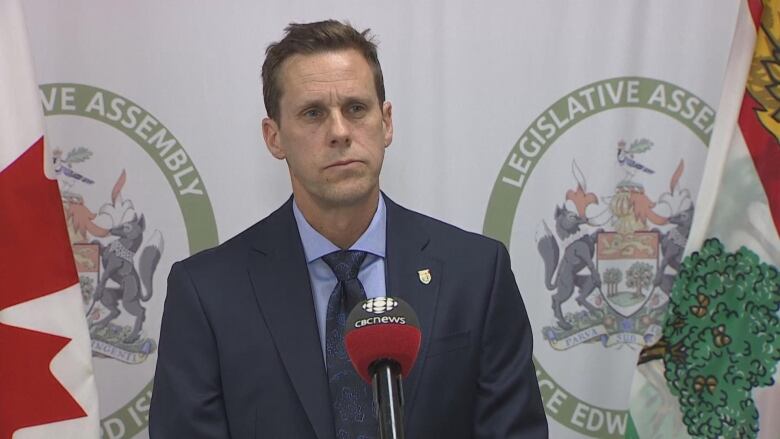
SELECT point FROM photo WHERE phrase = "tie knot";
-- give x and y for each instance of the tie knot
(345, 263)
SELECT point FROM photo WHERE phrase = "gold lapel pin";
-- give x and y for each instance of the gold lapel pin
(425, 276)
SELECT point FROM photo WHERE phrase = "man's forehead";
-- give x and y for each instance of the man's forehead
(312, 72)
(326, 66)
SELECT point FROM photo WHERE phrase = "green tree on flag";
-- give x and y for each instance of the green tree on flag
(725, 330)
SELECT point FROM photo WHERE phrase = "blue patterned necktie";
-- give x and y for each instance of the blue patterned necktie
(351, 397)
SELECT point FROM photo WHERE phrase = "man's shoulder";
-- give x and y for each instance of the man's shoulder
(236, 249)
(446, 236)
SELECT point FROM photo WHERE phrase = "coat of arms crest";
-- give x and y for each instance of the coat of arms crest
(623, 253)
(116, 264)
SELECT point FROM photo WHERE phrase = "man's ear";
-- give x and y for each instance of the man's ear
(271, 136)
(387, 122)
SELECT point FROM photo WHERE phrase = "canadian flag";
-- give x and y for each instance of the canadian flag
(47, 388)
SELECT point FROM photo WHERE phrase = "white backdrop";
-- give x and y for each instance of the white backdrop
(466, 80)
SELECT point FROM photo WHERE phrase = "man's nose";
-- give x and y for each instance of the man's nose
(339, 130)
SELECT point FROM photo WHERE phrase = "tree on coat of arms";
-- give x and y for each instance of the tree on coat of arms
(639, 276)
(612, 278)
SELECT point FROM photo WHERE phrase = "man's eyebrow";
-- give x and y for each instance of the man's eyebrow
(320, 102)
(357, 98)
(315, 102)
(367, 98)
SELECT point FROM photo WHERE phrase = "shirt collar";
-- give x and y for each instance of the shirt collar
(371, 241)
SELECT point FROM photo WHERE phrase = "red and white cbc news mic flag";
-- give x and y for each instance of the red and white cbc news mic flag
(47, 388)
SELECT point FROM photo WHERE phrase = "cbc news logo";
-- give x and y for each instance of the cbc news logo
(379, 305)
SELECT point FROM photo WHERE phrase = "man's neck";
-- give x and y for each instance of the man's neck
(341, 225)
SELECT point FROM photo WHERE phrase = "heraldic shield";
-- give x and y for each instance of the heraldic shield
(627, 263)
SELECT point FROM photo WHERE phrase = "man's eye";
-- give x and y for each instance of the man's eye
(312, 113)
(357, 108)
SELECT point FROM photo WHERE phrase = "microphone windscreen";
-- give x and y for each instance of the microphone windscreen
(382, 328)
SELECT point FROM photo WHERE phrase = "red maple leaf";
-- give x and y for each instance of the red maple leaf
(35, 261)
(31, 395)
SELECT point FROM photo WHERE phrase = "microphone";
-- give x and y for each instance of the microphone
(382, 337)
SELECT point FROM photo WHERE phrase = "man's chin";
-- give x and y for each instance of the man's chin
(349, 196)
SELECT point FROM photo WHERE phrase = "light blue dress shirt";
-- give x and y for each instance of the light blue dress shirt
(321, 277)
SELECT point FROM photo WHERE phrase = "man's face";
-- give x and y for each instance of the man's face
(332, 129)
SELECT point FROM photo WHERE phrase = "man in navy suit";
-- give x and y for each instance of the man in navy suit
(248, 347)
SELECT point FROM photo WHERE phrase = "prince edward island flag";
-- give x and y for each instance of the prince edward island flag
(714, 372)
(47, 390)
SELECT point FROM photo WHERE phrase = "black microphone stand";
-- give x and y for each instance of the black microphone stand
(388, 398)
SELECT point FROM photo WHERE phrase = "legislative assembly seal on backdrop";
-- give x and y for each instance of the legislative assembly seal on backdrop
(609, 231)
(124, 232)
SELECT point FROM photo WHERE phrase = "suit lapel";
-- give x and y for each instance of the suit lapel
(406, 257)
(280, 280)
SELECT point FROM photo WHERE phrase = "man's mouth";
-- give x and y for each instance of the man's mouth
(341, 163)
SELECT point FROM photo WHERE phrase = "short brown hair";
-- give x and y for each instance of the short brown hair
(311, 38)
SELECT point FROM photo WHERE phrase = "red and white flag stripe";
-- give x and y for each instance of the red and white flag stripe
(47, 388)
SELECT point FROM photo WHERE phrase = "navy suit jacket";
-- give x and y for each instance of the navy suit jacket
(240, 355)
